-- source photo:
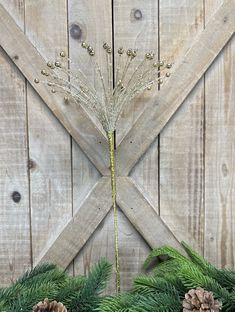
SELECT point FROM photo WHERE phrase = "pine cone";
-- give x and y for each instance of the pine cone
(200, 300)
(47, 306)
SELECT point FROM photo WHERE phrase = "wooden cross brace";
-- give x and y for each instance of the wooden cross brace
(188, 71)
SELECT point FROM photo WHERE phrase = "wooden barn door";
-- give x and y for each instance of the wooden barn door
(175, 147)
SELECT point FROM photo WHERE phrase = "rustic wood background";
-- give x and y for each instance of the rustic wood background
(185, 174)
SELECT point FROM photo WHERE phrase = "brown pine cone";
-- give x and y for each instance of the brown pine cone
(200, 300)
(47, 306)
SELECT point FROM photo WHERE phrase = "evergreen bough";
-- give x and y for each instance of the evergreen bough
(46, 281)
(163, 289)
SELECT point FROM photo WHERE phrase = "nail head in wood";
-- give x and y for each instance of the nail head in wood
(75, 31)
(16, 196)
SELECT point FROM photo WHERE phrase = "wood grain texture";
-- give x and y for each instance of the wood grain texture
(84, 177)
(83, 27)
(188, 70)
(133, 251)
(49, 142)
(135, 26)
(73, 117)
(15, 250)
(87, 21)
(71, 216)
(145, 174)
(101, 244)
(220, 155)
(78, 230)
(142, 215)
(182, 140)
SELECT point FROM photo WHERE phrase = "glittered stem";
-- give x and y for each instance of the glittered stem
(110, 135)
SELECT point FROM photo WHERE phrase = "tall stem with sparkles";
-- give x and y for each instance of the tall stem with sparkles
(110, 135)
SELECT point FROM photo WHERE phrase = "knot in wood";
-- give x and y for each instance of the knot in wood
(137, 14)
(16, 196)
(31, 164)
(75, 31)
(225, 170)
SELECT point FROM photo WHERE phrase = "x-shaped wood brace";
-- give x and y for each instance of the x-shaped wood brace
(188, 71)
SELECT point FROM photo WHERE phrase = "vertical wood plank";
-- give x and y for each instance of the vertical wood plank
(181, 141)
(135, 26)
(86, 25)
(90, 22)
(87, 21)
(15, 254)
(220, 155)
(49, 143)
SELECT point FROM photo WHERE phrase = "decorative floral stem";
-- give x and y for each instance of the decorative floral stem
(108, 104)
(110, 135)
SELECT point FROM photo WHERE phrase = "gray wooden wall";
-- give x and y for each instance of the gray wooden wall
(187, 174)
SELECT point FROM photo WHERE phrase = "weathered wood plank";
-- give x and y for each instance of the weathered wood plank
(72, 116)
(87, 22)
(132, 247)
(77, 231)
(135, 26)
(15, 246)
(90, 23)
(49, 142)
(145, 174)
(188, 70)
(81, 29)
(142, 215)
(182, 140)
(220, 155)
(93, 210)
(84, 177)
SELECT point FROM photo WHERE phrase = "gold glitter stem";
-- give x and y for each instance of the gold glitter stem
(110, 135)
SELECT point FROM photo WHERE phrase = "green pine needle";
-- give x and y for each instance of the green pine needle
(165, 251)
(35, 272)
(163, 291)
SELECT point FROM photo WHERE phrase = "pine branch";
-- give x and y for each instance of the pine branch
(225, 277)
(158, 302)
(165, 251)
(192, 277)
(32, 295)
(70, 293)
(168, 266)
(196, 258)
(118, 303)
(88, 297)
(97, 278)
(146, 285)
(35, 272)
(39, 278)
